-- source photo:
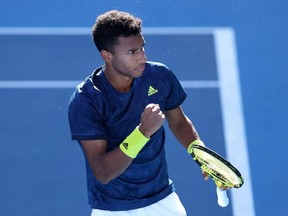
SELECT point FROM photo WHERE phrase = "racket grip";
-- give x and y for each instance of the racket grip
(223, 200)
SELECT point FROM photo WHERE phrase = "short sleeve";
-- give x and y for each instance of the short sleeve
(176, 94)
(85, 115)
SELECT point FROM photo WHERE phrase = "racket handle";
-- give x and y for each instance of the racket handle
(223, 200)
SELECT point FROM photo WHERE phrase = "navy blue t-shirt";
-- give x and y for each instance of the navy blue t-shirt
(98, 111)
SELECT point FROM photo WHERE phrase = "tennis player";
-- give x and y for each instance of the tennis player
(117, 115)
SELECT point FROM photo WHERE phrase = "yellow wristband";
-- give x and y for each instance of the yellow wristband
(195, 142)
(133, 143)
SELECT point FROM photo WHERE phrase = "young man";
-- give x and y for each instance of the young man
(117, 116)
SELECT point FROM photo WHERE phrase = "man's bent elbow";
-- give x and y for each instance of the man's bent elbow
(103, 179)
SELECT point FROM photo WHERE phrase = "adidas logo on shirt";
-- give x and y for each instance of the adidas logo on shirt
(152, 91)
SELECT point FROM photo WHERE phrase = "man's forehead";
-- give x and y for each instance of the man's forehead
(131, 40)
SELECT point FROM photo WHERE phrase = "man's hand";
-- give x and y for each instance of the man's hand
(151, 120)
(218, 184)
(205, 176)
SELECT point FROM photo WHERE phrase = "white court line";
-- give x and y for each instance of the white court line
(228, 84)
(28, 84)
(54, 84)
(199, 84)
(233, 120)
(87, 31)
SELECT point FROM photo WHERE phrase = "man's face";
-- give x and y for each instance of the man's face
(129, 57)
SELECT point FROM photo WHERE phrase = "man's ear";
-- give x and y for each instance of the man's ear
(107, 56)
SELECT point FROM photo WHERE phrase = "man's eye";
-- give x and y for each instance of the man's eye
(131, 52)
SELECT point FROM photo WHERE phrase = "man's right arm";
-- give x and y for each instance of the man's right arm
(105, 165)
(108, 165)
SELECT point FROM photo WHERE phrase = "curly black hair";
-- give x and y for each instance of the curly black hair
(111, 25)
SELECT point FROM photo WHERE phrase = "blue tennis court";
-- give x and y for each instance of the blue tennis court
(51, 165)
(235, 112)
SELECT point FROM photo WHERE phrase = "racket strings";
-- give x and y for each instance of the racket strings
(216, 168)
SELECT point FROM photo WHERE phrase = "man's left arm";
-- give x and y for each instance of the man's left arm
(181, 126)
(183, 129)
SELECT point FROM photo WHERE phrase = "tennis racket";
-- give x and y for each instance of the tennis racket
(219, 169)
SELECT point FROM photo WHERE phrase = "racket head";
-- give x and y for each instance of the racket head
(219, 169)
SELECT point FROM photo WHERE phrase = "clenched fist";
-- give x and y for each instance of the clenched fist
(152, 119)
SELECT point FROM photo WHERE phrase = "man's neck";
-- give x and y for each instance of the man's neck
(120, 82)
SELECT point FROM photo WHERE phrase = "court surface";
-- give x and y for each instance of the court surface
(43, 171)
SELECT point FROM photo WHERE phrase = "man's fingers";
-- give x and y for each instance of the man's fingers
(205, 175)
